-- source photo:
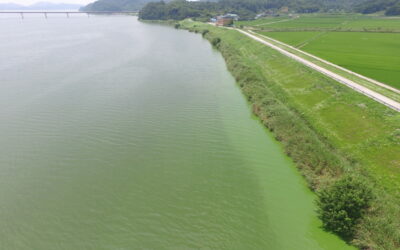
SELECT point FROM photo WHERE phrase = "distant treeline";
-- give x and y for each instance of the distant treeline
(391, 7)
(246, 9)
(178, 10)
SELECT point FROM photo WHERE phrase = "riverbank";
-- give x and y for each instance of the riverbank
(327, 129)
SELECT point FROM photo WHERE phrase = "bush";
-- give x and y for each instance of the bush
(177, 25)
(204, 32)
(215, 41)
(342, 205)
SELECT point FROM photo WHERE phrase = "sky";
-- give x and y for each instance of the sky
(28, 2)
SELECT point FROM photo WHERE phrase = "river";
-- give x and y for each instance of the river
(116, 134)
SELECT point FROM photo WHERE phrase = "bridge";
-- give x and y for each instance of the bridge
(68, 13)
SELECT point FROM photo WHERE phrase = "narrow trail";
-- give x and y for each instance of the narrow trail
(357, 87)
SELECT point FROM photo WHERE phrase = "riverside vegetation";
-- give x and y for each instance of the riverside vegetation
(345, 144)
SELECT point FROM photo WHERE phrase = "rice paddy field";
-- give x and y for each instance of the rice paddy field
(306, 21)
(368, 45)
(324, 22)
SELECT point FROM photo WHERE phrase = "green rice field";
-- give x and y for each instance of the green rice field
(379, 23)
(375, 55)
(331, 21)
(368, 45)
(344, 22)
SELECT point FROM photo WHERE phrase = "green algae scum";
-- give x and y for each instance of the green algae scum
(141, 140)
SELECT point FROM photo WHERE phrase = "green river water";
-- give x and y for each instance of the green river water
(116, 134)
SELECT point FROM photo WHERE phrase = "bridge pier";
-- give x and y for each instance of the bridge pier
(67, 14)
(22, 15)
(45, 15)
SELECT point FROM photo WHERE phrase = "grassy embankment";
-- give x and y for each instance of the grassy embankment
(367, 45)
(326, 128)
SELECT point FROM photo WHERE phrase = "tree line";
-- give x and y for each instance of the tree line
(391, 7)
(246, 9)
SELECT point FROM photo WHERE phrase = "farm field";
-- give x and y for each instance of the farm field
(379, 23)
(325, 22)
(265, 21)
(374, 55)
(368, 45)
(320, 22)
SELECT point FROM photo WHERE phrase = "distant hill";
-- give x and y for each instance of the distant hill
(116, 5)
(125, 5)
(247, 8)
(250, 5)
(10, 6)
(40, 6)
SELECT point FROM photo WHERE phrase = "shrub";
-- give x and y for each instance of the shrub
(204, 32)
(177, 25)
(342, 205)
(215, 41)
